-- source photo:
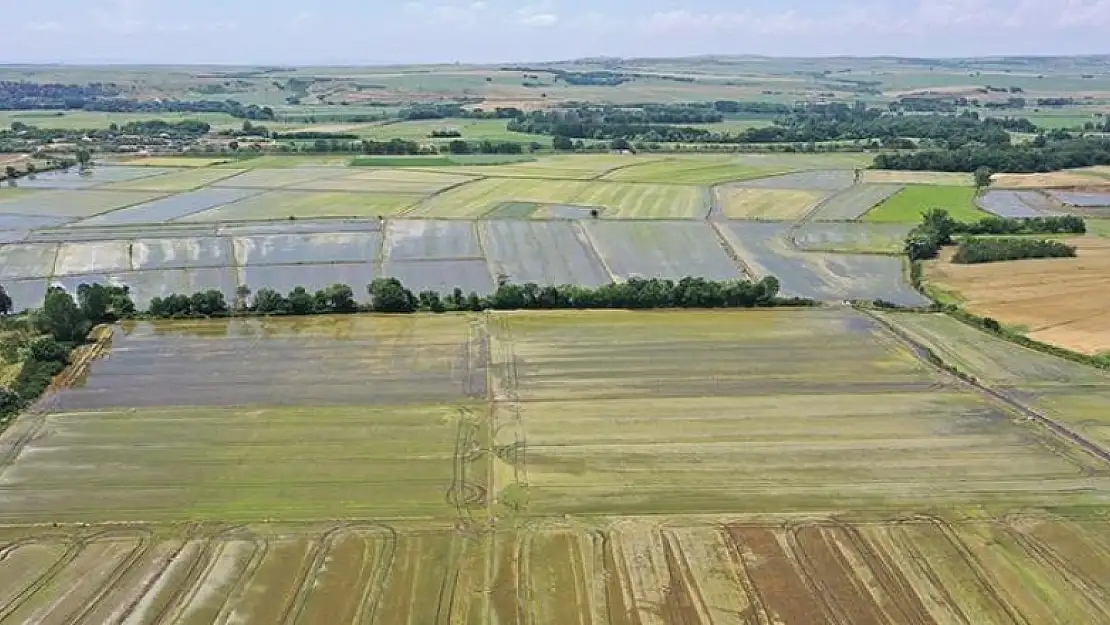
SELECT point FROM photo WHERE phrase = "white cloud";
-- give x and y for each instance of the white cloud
(539, 19)
(45, 27)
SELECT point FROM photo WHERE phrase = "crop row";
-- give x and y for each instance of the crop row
(920, 571)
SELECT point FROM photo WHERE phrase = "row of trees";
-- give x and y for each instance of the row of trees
(975, 250)
(815, 123)
(68, 321)
(1042, 155)
(937, 229)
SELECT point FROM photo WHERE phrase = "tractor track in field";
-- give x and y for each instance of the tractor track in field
(811, 576)
(929, 358)
(375, 588)
(889, 578)
(309, 574)
(261, 548)
(924, 566)
(974, 566)
(1085, 587)
(758, 608)
(76, 547)
(191, 577)
(44, 578)
(113, 580)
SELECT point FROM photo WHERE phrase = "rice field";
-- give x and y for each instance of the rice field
(855, 202)
(912, 202)
(1018, 204)
(670, 250)
(174, 181)
(765, 249)
(74, 203)
(306, 205)
(544, 468)
(880, 238)
(765, 204)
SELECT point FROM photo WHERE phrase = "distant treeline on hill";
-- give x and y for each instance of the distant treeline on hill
(806, 124)
(1041, 155)
(19, 96)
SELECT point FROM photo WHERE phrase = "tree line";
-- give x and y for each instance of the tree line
(978, 250)
(937, 229)
(43, 341)
(803, 124)
(1042, 155)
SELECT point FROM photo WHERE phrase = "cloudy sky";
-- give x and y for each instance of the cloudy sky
(409, 31)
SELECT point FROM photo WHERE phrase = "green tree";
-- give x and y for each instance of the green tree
(11, 173)
(389, 295)
(83, 158)
(340, 298)
(940, 224)
(301, 302)
(562, 143)
(61, 318)
(5, 302)
(269, 301)
(31, 169)
(983, 177)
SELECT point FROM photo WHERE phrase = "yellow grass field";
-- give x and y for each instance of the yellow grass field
(1064, 301)
(767, 204)
(882, 176)
(1068, 178)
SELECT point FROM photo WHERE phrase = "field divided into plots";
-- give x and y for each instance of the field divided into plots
(557, 467)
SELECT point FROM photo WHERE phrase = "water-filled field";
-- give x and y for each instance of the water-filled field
(555, 467)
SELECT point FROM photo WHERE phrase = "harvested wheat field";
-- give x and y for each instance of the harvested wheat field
(584, 467)
(1064, 301)
(1055, 179)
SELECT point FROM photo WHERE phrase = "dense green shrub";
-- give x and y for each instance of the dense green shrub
(994, 250)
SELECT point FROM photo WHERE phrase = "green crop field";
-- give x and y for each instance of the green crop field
(909, 204)
(704, 170)
(619, 200)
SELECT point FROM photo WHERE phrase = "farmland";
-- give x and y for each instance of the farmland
(909, 204)
(1062, 301)
(507, 468)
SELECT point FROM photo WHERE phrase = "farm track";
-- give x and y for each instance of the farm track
(922, 352)
(723, 241)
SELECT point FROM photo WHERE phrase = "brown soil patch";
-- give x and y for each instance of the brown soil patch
(777, 581)
(1064, 301)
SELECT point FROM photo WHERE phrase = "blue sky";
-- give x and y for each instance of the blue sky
(411, 31)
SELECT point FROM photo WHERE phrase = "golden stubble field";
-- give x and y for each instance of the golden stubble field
(590, 467)
(1064, 301)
